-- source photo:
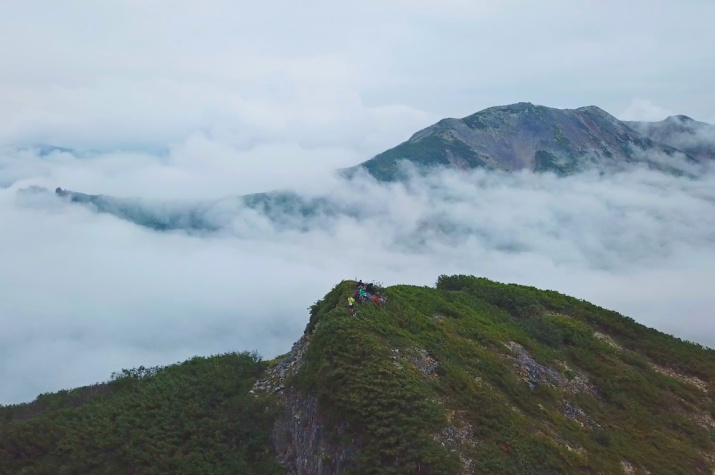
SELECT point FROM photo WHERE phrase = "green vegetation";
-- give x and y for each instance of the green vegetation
(469, 375)
(611, 407)
(428, 152)
(548, 162)
(195, 417)
(519, 300)
(425, 154)
(387, 410)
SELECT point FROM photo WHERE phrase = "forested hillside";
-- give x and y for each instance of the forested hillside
(469, 376)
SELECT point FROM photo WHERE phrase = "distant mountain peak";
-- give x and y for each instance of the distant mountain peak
(695, 138)
(527, 136)
(516, 107)
(594, 110)
(679, 118)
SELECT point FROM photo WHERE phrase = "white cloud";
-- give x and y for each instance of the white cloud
(645, 110)
(85, 294)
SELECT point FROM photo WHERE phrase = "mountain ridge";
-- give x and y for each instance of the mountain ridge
(468, 376)
(501, 138)
(527, 136)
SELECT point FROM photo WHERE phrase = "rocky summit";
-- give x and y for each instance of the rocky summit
(469, 376)
(532, 137)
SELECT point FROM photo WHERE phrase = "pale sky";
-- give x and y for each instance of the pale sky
(355, 75)
(195, 101)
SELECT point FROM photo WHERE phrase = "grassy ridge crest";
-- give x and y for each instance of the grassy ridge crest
(469, 376)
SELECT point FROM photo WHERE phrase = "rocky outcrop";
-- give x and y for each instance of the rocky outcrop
(455, 437)
(420, 359)
(300, 436)
(533, 373)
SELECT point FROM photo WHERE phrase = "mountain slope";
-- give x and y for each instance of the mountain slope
(507, 379)
(469, 377)
(526, 136)
(697, 139)
(196, 417)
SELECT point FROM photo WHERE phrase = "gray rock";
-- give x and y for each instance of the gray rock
(535, 374)
(299, 434)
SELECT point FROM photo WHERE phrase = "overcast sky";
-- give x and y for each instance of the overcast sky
(200, 100)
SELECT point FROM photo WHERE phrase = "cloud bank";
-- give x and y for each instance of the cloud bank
(86, 293)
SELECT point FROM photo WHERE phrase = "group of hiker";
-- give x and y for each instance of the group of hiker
(364, 293)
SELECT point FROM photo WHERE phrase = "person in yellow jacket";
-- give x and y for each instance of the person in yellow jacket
(351, 306)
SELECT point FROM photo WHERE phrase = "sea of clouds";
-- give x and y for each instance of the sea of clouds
(84, 293)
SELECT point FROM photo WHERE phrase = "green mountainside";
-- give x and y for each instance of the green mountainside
(193, 417)
(470, 376)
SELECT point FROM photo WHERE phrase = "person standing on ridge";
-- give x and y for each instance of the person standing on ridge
(363, 294)
(351, 306)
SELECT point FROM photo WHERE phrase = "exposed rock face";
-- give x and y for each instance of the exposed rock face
(425, 363)
(276, 376)
(534, 374)
(575, 413)
(455, 437)
(299, 434)
(299, 438)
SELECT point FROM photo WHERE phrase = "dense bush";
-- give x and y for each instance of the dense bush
(362, 372)
(194, 417)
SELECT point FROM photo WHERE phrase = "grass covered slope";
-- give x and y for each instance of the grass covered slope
(471, 376)
(195, 417)
(475, 376)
